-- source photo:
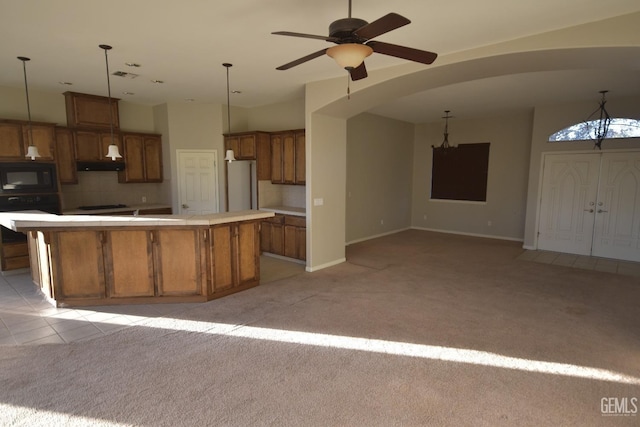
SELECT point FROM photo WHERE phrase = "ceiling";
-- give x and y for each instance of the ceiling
(184, 43)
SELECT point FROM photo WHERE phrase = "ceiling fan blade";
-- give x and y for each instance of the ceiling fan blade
(302, 60)
(358, 73)
(306, 36)
(416, 55)
(383, 25)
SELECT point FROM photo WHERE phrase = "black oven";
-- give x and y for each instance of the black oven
(42, 202)
(28, 177)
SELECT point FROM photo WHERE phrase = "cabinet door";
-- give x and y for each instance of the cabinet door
(223, 263)
(277, 239)
(87, 145)
(265, 236)
(247, 147)
(11, 141)
(300, 166)
(153, 159)
(129, 261)
(43, 137)
(301, 242)
(66, 156)
(178, 262)
(290, 241)
(91, 111)
(276, 159)
(247, 252)
(133, 153)
(263, 156)
(79, 266)
(288, 158)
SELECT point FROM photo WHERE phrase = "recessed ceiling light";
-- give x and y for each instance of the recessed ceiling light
(65, 83)
(236, 91)
(157, 81)
(128, 93)
(132, 64)
(189, 99)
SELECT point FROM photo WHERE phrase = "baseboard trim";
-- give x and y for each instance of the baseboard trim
(486, 236)
(309, 269)
(376, 236)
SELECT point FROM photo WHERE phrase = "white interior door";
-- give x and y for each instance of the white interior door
(617, 210)
(198, 182)
(567, 206)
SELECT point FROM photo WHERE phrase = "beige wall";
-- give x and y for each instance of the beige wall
(379, 178)
(509, 136)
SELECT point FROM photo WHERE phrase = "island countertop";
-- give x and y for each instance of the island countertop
(38, 220)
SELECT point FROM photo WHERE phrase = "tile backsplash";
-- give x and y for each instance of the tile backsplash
(103, 188)
(270, 195)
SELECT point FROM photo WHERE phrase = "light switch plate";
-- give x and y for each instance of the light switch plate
(318, 202)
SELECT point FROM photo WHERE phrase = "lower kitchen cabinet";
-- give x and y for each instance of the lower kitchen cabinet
(285, 235)
(235, 256)
(119, 265)
(14, 255)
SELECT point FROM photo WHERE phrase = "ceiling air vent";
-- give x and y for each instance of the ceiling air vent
(124, 74)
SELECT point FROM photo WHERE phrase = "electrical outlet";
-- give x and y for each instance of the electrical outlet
(424, 217)
(144, 199)
(489, 223)
(382, 222)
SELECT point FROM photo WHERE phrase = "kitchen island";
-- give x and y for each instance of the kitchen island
(83, 260)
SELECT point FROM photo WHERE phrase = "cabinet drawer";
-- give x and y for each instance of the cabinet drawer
(15, 263)
(15, 250)
(277, 219)
(298, 221)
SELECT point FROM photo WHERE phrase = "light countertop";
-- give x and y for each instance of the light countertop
(287, 210)
(38, 220)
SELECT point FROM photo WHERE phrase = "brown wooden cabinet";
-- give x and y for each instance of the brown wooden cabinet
(15, 138)
(284, 235)
(179, 261)
(234, 256)
(131, 272)
(142, 157)
(92, 145)
(91, 111)
(288, 157)
(14, 255)
(252, 146)
(295, 237)
(66, 156)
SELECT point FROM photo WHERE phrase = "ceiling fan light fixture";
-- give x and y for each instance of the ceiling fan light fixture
(349, 55)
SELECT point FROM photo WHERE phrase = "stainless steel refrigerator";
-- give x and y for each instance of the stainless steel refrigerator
(242, 185)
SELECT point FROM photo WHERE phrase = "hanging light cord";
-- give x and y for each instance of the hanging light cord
(24, 60)
(106, 60)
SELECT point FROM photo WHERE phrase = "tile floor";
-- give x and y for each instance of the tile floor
(626, 268)
(26, 317)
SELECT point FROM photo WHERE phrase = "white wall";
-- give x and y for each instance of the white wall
(379, 176)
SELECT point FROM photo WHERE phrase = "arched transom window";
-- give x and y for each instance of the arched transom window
(586, 131)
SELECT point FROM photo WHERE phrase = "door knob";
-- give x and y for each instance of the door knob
(185, 206)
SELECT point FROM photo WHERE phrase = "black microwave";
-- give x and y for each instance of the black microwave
(28, 177)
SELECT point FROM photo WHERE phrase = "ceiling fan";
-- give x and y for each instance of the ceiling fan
(353, 43)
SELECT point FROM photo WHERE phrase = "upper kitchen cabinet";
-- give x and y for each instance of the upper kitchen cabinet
(66, 156)
(91, 111)
(288, 157)
(93, 145)
(252, 146)
(143, 158)
(15, 139)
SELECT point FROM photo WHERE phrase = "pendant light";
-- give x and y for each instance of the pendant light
(445, 142)
(229, 156)
(599, 128)
(32, 150)
(113, 151)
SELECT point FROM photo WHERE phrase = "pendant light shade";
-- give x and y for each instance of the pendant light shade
(349, 55)
(32, 150)
(113, 151)
(229, 157)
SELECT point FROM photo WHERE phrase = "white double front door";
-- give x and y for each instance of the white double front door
(590, 204)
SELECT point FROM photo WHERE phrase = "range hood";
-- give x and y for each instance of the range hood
(100, 166)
